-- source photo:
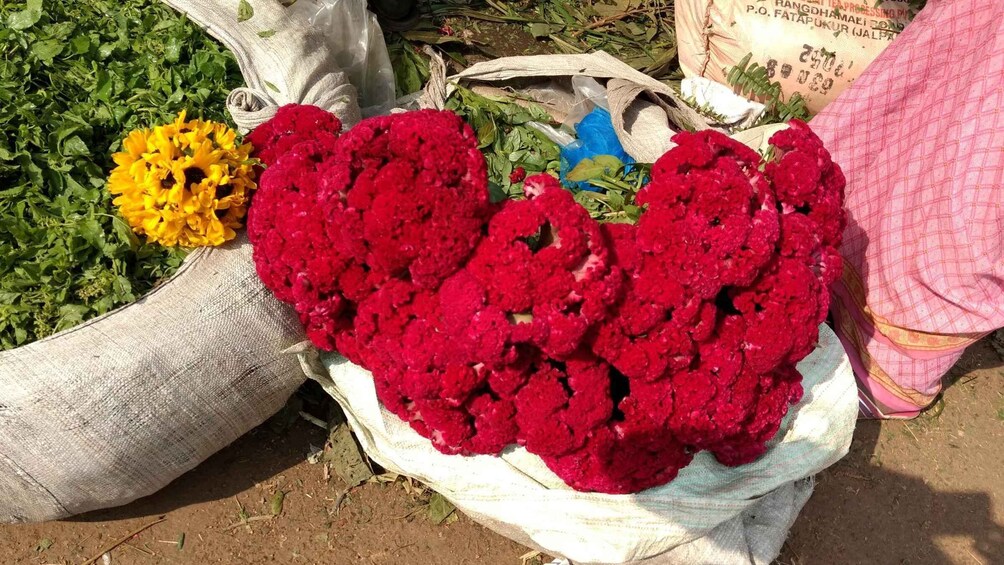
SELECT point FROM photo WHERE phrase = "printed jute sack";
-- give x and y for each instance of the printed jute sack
(815, 48)
(118, 407)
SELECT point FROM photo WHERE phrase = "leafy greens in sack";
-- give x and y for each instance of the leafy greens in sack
(74, 78)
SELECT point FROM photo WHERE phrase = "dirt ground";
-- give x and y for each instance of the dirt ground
(929, 491)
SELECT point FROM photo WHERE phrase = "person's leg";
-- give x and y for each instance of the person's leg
(895, 380)
(923, 254)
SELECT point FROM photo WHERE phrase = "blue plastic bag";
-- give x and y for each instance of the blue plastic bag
(596, 136)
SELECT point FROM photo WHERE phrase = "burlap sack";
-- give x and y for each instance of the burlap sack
(118, 407)
(813, 47)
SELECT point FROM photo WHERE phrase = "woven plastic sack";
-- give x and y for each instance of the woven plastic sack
(710, 514)
(812, 47)
(118, 407)
(320, 52)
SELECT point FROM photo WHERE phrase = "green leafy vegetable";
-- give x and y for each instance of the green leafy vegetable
(439, 508)
(346, 457)
(74, 79)
(588, 169)
(509, 142)
(275, 505)
(411, 70)
(27, 17)
(42, 545)
(618, 184)
(506, 138)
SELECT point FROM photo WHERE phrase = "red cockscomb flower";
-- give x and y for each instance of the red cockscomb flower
(614, 352)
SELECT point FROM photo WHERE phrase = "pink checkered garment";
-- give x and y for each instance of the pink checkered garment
(920, 137)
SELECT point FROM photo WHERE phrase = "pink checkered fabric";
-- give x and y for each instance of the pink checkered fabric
(920, 137)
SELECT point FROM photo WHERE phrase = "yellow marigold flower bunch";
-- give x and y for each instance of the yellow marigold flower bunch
(187, 183)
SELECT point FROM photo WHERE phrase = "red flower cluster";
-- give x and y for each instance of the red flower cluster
(614, 352)
(290, 126)
(729, 268)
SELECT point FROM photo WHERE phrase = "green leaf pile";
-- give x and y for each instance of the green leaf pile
(75, 77)
(411, 70)
(506, 138)
(509, 142)
(639, 32)
(617, 183)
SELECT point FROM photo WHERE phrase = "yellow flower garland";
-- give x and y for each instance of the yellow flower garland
(187, 183)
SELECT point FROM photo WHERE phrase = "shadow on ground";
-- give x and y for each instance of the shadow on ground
(921, 492)
(861, 513)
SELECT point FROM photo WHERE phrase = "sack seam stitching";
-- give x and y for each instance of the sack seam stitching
(707, 37)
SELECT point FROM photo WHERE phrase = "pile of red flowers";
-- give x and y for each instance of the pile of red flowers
(614, 352)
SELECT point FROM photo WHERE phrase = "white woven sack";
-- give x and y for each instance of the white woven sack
(709, 514)
(118, 407)
(283, 58)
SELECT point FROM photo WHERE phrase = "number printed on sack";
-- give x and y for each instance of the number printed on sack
(817, 68)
